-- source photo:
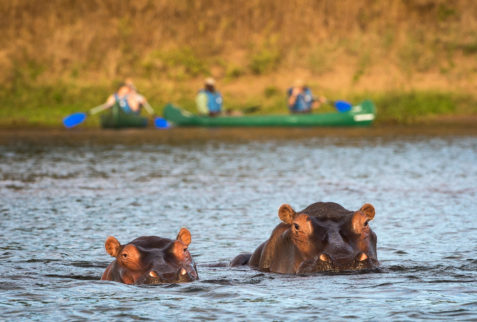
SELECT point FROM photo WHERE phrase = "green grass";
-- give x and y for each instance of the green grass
(416, 106)
(264, 60)
(46, 105)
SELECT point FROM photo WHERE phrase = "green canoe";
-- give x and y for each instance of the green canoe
(362, 114)
(116, 118)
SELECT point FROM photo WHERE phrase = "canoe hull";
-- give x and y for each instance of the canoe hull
(116, 118)
(362, 114)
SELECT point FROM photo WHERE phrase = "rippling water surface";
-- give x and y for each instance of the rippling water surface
(61, 198)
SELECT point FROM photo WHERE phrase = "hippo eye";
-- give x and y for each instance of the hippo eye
(124, 255)
(185, 249)
(297, 227)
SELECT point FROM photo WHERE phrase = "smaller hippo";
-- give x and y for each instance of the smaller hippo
(322, 237)
(151, 260)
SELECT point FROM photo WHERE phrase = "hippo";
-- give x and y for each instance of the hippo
(322, 237)
(151, 260)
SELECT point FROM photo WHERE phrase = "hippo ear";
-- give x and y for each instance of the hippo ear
(112, 246)
(368, 210)
(286, 213)
(184, 236)
(360, 219)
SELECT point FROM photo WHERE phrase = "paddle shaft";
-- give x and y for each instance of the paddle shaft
(99, 108)
(148, 108)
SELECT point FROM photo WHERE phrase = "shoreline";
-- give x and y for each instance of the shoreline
(97, 136)
(429, 121)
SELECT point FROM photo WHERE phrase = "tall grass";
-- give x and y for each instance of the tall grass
(83, 39)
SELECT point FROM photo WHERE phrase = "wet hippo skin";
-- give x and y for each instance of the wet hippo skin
(322, 237)
(151, 260)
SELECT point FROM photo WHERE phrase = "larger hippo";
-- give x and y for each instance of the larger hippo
(322, 237)
(151, 260)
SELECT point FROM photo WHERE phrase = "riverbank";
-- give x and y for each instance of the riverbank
(32, 105)
(415, 60)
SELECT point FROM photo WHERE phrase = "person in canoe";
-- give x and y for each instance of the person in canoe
(128, 98)
(125, 98)
(138, 101)
(301, 100)
(208, 100)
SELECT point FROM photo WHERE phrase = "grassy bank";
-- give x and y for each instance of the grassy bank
(46, 105)
(415, 59)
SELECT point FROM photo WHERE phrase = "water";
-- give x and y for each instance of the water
(62, 194)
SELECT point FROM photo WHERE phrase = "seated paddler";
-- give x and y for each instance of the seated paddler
(136, 100)
(300, 98)
(208, 100)
(126, 98)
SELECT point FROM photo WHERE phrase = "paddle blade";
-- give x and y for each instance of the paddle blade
(343, 106)
(161, 123)
(74, 119)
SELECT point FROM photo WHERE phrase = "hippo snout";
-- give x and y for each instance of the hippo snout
(180, 275)
(152, 277)
(325, 262)
(187, 274)
(157, 277)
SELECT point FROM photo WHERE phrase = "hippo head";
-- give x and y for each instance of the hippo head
(151, 260)
(331, 238)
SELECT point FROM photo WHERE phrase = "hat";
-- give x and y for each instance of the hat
(210, 81)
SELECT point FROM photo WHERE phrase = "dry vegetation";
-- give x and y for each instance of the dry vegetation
(346, 48)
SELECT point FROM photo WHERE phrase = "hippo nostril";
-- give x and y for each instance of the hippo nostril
(183, 271)
(153, 274)
(325, 258)
(362, 257)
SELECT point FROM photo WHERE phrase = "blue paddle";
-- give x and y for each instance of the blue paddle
(342, 106)
(79, 117)
(161, 123)
(74, 119)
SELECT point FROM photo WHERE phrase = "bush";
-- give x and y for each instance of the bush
(178, 63)
(409, 107)
(265, 60)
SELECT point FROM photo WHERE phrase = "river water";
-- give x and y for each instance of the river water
(63, 193)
